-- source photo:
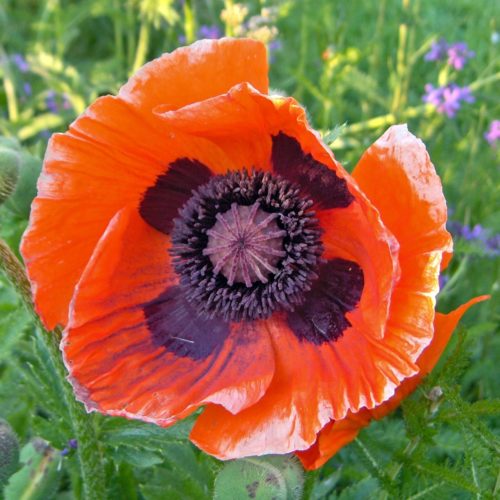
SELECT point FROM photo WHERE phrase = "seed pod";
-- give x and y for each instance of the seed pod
(39, 477)
(9, 451)
(20, 198)
(276, 476)
(10, 163)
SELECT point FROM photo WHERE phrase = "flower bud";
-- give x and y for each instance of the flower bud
(273, 476)
(40, 474)
(9, 451)
(10, 163)
(19, 172)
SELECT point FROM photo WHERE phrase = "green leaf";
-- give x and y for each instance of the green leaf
(117, 431)
(136, 457)
(366, 489)
(446, 474)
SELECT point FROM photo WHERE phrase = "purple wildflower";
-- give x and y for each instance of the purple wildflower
(27, 88)
(474, 233)
(66, 104)
(443, 279)
(438, 51)
(275, 45)
(433, 95)
(64, 452)
(493, 244)
(51, 102)
(447, 100)
(182, 39)
(477, 235)
(458, 54)
(212, 32)
(493, 133)
(20, 62)
(73, 443)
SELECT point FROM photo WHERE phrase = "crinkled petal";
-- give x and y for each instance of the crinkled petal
(353, 227)
(192, 74)
(337, 434)
(134, 348)
(117, 149)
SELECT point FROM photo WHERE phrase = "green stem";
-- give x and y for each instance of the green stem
(130, 29)
(423, 110)
(88, 452)
(393, 471)
(10, 89)
(398, 98)
(484, 81)
(118, 33)
(304, 49)
(142, 45)
(228, 28)
(189, 22)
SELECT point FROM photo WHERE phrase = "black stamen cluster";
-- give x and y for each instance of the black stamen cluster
(210, 293)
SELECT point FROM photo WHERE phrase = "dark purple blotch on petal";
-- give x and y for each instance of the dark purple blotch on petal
(175, 325)
(317, 180)
(322, 317)
(161, 202)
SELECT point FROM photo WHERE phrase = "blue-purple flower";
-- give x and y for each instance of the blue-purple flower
(459, 54)
(51, 102)
(492, 135)
(211, 32)
(20, 62)
(437, 51)
(447, 99)
(477, 235)
(27, 89)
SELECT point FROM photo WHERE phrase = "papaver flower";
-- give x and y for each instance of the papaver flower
(203, 247)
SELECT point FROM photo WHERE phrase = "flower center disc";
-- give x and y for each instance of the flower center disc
(245, 244)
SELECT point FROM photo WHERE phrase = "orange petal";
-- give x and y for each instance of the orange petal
(396, 174)
(123, 362)
(285, 419)
(107, 160)
(355, 233)
(312, 384)
(399, 179)
(191, 74)
(334, 436)
(337, 434)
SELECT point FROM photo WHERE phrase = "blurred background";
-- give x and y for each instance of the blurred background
(358, 67)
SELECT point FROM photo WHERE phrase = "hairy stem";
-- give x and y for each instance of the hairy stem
(88, 452)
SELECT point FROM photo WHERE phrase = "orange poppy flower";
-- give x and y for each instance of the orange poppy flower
(203, 247)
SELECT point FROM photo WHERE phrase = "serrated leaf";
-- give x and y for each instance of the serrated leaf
(366, 489)
(120, 431)
(445, 474)
(137, 457)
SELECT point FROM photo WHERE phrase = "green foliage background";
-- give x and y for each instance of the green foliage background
(356, 63)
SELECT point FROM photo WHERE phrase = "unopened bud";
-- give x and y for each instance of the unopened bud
(10, 163)
(9, 451)
(435, 394)
(272, 476)
(20, 187)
